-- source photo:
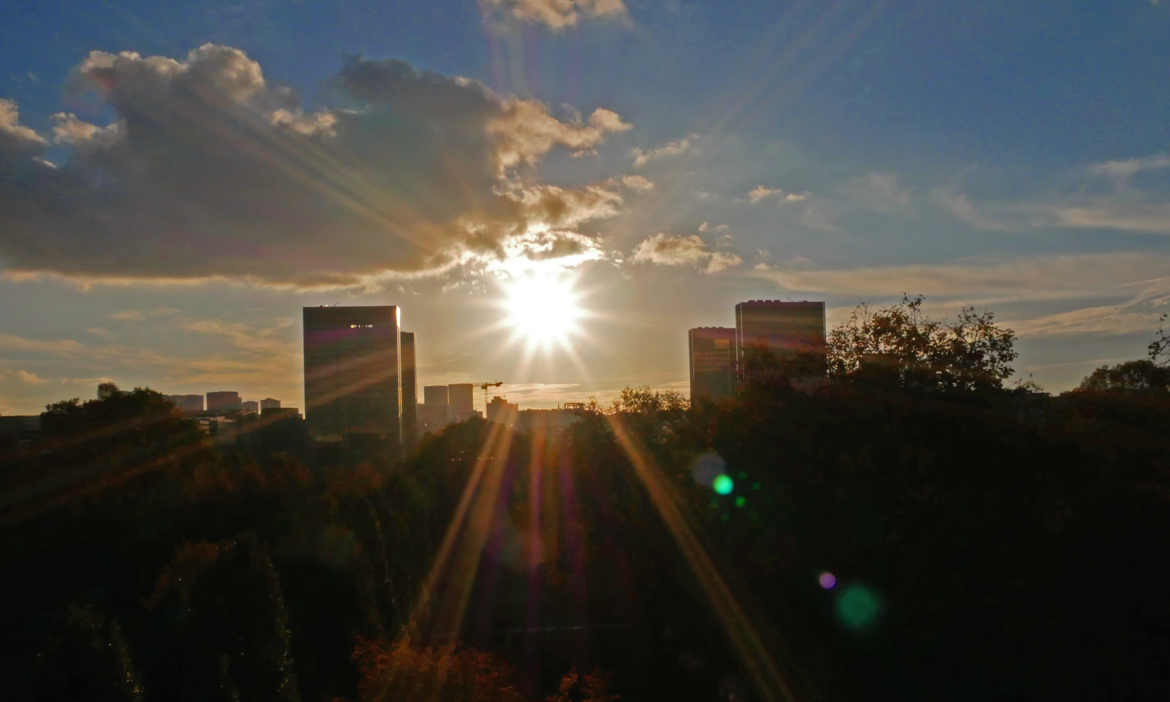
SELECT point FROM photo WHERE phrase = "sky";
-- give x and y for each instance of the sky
(178, 180)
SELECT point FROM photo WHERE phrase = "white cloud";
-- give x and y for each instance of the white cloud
(683, 250)
(557, 15)
(667, 150)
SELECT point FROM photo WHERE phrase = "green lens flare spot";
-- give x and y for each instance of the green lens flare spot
(723, 484)
(858, 607)
(740, 501)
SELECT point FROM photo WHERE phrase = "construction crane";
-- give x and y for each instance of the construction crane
(485, 386)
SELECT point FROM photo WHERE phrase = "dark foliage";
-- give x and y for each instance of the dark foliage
(983, 544)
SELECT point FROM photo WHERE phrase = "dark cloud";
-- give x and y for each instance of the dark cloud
(210, 171)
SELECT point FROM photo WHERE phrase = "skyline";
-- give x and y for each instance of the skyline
(670, 159)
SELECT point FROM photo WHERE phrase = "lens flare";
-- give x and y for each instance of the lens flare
(858, 607)
(723, 484)
(827, 580)
(542, 308)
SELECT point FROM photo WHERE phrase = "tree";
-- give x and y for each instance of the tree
(1131, 376)
(1159, 348)
(900, 345)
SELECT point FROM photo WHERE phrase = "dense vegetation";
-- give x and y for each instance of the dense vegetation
(914, 532)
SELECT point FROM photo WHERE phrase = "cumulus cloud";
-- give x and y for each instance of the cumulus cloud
(684, 250)
(526, 131)
(667, 150)
(208, 171)
(557, 15)
(16, 140)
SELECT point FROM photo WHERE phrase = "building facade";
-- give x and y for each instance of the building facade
(436, 395)
(791, 333)
(352, 371)
(250, 407)
(187, 404)
(223, 401)
(269, 403)
(461, 398)
(713, 362)
(409, 390)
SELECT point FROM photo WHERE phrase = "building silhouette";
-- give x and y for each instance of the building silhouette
(791, 333)
(712, 360)
(436, 395)
(269, 403)
(352, 372)
(409, 390)
(250, 407)
(223, 401)
(187, 404)
(461, 397)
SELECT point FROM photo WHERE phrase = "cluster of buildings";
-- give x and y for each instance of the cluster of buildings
(225, 402)
(724, 358)
(361, 381)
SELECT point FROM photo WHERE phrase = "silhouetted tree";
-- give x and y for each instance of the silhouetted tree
(900, 345)
(1131, 376)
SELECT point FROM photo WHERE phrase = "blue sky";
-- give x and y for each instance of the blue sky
(673, 157)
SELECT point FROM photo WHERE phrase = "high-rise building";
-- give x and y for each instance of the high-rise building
(792, 332)
(461, 397)
(250, 407)
(352, 374)
(712, 357)
(269, 403)
(187, 404)
(436, 395)
(409, 390)
(223, 401)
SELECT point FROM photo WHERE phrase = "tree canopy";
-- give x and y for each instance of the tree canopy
(899, 344)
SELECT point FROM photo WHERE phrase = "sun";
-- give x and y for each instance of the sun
(542, 309)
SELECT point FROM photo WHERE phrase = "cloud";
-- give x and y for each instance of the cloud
(667, 150)
(1124, 168)
(138, 315)
(877, 191)
(1136, 283)
(683, 250)
(209, 172)
(16, 140)
(959, 206)
(68, 129)
(637, 182)
(1121, 213)
(760, 193)
(557, 15)
(1047, 277)
(29, 378)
